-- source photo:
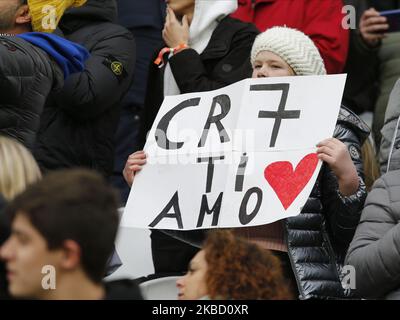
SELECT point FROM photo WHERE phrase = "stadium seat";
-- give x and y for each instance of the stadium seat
(160, 288)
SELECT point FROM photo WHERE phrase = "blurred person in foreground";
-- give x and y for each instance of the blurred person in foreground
(62, 235)
(18, 169)
(229, 268)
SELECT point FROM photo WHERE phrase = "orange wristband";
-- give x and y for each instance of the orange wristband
(181, 47)
(160, 58)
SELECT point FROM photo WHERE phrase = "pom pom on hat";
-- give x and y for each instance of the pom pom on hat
(46, 14)
(294, 47)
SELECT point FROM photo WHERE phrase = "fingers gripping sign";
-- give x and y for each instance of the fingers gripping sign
(134, 164)
(337, 156)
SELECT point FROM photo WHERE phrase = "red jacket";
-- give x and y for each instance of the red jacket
(321, 20)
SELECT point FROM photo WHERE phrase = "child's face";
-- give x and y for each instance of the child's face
(193, 285)
(25, 254)
(268, 64)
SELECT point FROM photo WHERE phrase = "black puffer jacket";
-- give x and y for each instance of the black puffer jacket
(79, 122)
(318, 238)
(27, 75)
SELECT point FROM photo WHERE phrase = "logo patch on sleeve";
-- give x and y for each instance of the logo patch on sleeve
(355, 155)
(116, 67)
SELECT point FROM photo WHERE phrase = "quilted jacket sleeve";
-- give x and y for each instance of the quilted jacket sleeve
(344, 212)
(389, 154)
(375, 249)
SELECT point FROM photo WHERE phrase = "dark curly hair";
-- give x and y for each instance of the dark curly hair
(241, 270)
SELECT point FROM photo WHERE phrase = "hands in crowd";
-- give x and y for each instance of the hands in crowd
(335, 154)
(175, 32)
(133, 165)
(373, 27)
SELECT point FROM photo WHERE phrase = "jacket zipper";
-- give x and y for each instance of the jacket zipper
(392, 145)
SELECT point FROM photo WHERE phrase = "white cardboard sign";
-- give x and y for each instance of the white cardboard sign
(243, 155)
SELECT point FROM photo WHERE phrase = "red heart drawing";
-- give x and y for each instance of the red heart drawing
(287, 183)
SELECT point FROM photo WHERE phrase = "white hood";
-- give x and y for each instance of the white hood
(207, 14)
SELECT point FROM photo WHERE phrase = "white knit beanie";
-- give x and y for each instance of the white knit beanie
(294, 47)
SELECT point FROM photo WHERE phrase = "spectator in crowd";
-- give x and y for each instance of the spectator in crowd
(211, 50)
(369, 88)
(229, 268)
(312, 258)
(320, 20)
(68, 223)
(31, 65)
(370, 163)
(362, 86)
(375, 249)
(79, 121)
(145, 19)
(389, 66)
(361, 89)
(4, 234)
(18, 169)
(389, 154)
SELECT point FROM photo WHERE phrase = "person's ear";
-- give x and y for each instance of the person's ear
(23, 15)
(71, 257)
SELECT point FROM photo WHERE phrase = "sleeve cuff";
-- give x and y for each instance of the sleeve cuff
(358, 198)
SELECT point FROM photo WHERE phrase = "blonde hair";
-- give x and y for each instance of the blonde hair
(370, 163)
(18, 168)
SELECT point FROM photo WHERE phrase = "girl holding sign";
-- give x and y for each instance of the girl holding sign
(312, 245)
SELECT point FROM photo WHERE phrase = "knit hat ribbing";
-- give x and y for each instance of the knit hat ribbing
(37, 9)
(293, 46)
